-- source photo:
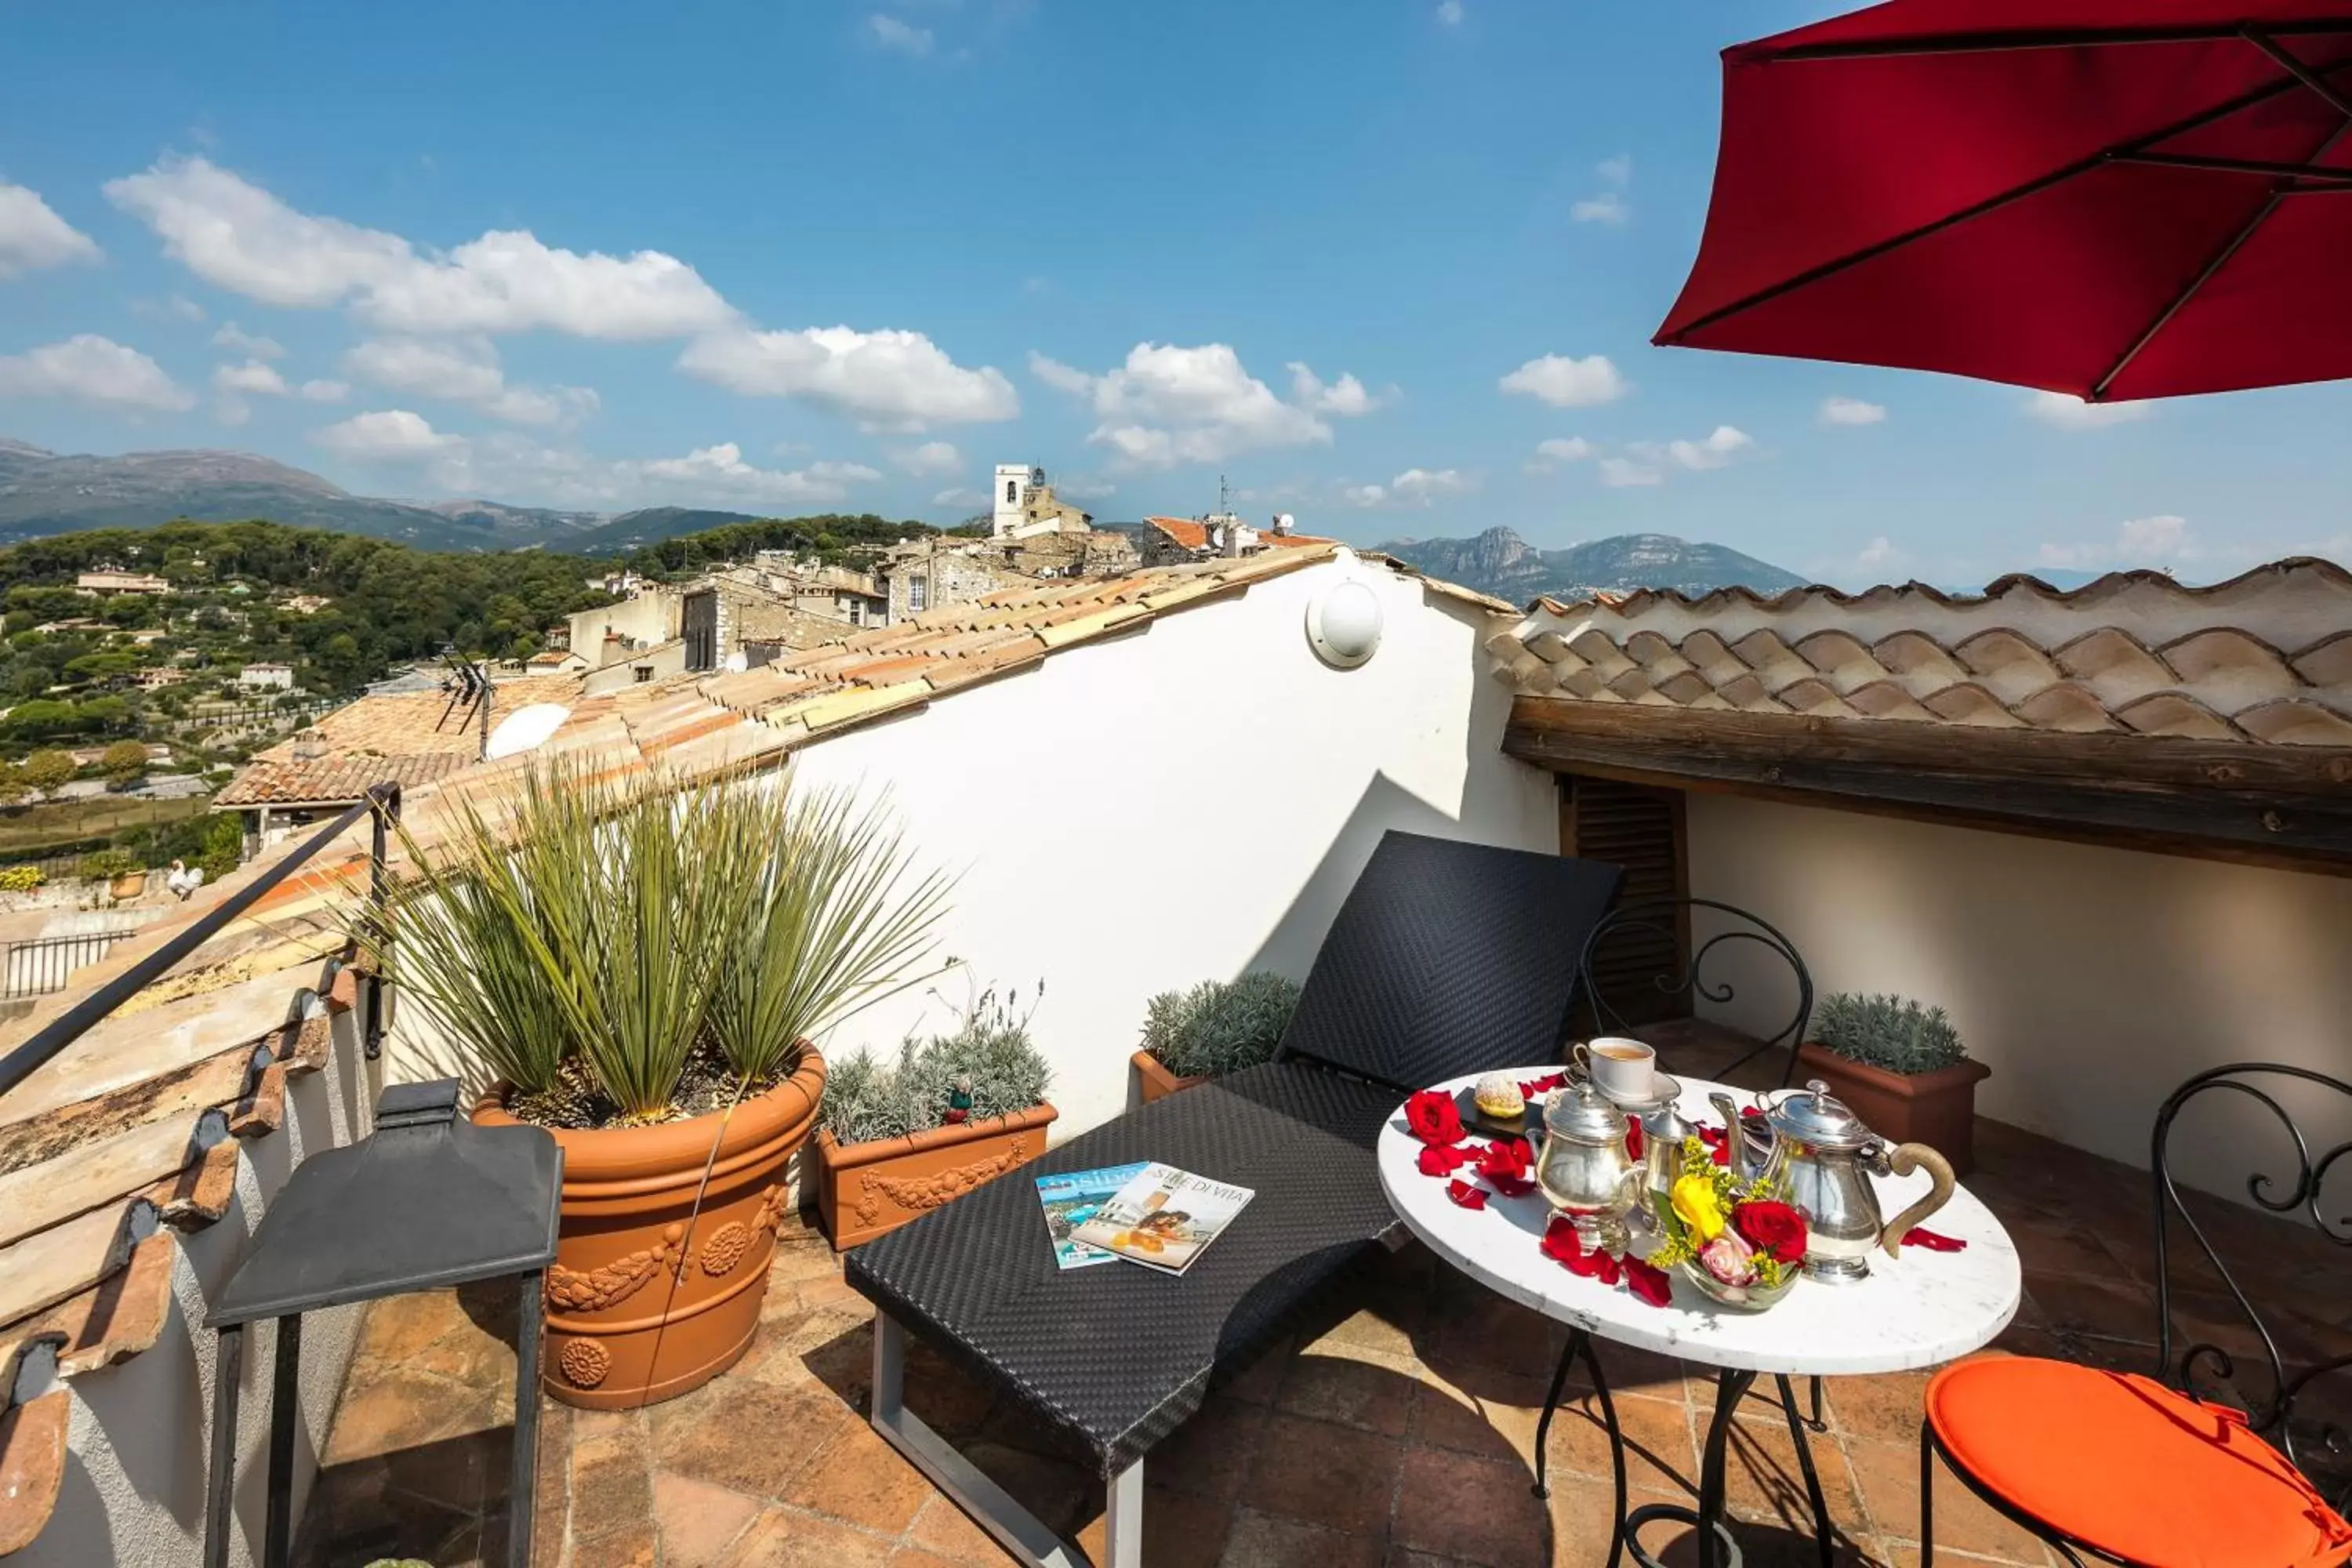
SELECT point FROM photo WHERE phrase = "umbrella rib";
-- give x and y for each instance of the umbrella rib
(2034, 186)
(2015, 40)
(2220, 259)
(2302, 73)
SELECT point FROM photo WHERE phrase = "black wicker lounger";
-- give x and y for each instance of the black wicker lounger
(1445, 958)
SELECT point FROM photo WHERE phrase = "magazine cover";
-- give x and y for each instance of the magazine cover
(1071, 1200)
(1163, 1218)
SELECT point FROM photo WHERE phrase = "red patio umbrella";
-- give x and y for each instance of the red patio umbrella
(2114, 198)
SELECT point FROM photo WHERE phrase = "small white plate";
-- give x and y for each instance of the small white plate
(1664, 1089)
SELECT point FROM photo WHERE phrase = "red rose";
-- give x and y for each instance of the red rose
(1774, 1229)
(1432, 1116)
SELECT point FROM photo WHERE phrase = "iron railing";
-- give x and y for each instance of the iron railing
(43, 964)
(382, 802)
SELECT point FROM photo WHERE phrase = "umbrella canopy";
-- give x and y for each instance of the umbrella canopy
(2117, 199)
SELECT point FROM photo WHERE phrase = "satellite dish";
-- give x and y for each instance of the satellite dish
(737, 662)
(525, 730)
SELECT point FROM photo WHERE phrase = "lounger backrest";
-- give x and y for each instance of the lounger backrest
(1449, 958)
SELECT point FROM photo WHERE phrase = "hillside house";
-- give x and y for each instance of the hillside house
(98, 582)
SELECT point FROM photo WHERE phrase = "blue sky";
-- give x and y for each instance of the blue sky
(1391, 267)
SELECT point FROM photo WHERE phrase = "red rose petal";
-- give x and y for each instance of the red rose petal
(1649, 1283)
(1510, 1186)
(1530, 1087)
(1919, 1235)
(1442, 1159)
(1634, 1140)
(1466, 1195)
(1560, 1241)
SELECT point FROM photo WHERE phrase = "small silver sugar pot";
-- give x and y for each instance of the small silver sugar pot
(1830, 1156)
(1585, 1170)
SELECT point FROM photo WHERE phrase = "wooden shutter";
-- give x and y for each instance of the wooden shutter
(1641, 829)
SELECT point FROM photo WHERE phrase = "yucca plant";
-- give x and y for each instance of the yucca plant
(607, 935)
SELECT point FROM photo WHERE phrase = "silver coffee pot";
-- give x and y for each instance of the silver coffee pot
(1829, 1157)
(1585, 1171)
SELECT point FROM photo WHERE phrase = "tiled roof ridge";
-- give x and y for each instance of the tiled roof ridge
(2014, 583)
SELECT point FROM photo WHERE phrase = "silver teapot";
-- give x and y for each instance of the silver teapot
(1829, 1157)
(1586, 1172)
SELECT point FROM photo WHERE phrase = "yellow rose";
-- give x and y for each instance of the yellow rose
(1696, 1206)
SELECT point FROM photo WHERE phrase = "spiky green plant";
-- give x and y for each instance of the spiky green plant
(989, 1050)
(1220, 1026)
(1889, 1032)
(618, 928)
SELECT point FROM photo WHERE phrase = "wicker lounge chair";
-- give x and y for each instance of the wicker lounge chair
(1445, 958)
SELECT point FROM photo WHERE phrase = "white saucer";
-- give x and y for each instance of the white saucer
(1664, 1089)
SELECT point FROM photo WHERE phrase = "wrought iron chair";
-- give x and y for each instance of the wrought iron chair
(1657, 930)
(2151, 1469)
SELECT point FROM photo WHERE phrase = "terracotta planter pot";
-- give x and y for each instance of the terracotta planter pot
(130, 884)
(1156, 1082)
(1937, 1109)
(865, 1190)
(649, 1298)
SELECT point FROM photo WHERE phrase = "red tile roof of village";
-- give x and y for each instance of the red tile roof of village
(1194, 535)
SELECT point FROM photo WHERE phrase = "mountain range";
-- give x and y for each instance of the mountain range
(1500, 563)
(43, 492)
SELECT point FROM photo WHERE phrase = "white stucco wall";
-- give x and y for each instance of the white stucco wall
(2093, 981)
(142, 1431)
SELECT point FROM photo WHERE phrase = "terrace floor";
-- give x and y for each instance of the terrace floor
(1397, 1434)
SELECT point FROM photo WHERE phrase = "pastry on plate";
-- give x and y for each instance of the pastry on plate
(1497, 1096)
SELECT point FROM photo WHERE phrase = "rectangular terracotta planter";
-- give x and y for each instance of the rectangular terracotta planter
(1937, 1109)
(1156, 1081)
(865, 1190)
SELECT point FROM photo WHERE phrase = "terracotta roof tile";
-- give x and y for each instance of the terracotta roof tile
(332, 781)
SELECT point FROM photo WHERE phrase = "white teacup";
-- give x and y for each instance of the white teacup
(1620, 1068)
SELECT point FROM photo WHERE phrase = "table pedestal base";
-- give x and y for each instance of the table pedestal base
(1718, 1547)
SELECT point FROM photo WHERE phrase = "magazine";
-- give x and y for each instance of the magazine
(1163, 1218)
(1071, 1200)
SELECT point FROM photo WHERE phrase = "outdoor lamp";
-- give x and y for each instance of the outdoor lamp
(1343, 623)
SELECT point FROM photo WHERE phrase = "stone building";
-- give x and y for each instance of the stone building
(1025, 506)
(925, 573)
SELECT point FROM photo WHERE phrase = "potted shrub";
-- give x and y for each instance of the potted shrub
(1216, 1027)
(900, 1138)
(1902, 1068)
(640, 969)
(120, 869)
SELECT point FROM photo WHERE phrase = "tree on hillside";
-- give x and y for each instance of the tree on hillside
(45, 770)
(13, 787)
(125, 762)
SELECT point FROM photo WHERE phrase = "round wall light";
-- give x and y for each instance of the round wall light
(1343, 623)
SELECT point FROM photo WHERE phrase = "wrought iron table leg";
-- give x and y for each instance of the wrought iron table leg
(1816, 1422)
(1797, 1424)
(1716, 1546)
(1551, 1404)
(1579, 1343)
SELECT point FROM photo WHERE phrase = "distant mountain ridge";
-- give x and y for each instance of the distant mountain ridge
(43, 492)
(1500, 563)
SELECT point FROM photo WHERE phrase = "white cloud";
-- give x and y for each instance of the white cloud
(231, 411)
(1414, 487)
(1608, 207)
(1719, 446)
(2160, 540)
(1169, 404)
(391, 434)
(1618, 472)
(32, 236)
(324, 391)
(87, 368)
(1345, 397)
(236, 236)
(1560, 450)
(1365, 495)
(1837, 410)
(2071, 413)
(252, 377)
(236, 339)
(932, 459)
(969, 498)
(464, 371)
(1450, 11)
(1617, 170)
(892, 34)
(891, 380)
(1878, 554)
(1567, 383)
(720, 469)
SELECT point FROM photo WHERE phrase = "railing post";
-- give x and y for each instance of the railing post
(386, 800)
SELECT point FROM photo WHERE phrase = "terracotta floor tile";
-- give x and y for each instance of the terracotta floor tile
(1058, 1492)
(403, 1409)
(744, 1434)
(1393, 1318)
(861, 1480)
(1887, 1408)
(2114, 1308)
(398, 1326)
(636, 1547)
(1471, 1510)
(786, 1538)
(912, 1557)
(1486, 1331)
(1261, 1379)
(1354, 1393)
(1660, 1456)
(1336, 1477)
(697, 1522)
(1268, 1541)
(1888, 1475)
(1583, 1516)
(1763, 1479)
(942, 1530)
(2046, 1246)
(1179, 1530)
(1499, 1425)
(1211, 1455)
(612, 1484)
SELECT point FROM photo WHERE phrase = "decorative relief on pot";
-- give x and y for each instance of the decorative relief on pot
(572, 1291)
(772, 1210)
(918, 1194)
(584, 1363)
(726, 1247)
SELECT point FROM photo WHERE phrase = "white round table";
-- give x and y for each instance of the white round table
(1917, 1311)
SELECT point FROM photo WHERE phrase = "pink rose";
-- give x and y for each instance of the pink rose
(1728, 1258)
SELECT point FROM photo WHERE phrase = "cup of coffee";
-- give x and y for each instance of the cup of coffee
(1620, 1068)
